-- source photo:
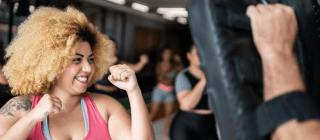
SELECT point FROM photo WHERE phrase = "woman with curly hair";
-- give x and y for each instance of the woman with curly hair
(54, 58)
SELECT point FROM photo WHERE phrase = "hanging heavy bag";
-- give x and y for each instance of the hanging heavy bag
(222, 33)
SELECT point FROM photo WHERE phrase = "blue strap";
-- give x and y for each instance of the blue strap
(45, 128)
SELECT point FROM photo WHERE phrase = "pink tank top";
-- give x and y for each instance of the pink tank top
(98, 128)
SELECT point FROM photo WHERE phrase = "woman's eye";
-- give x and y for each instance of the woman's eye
(91, 59)
(77, 60)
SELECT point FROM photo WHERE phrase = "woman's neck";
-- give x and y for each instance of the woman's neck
(69, 101)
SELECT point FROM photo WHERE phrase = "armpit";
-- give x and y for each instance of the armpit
(15, 104)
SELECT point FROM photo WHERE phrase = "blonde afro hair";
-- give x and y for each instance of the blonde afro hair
(45, 44)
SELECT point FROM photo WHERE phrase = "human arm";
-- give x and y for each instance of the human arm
(106, 88)
(137, 67)
(188, 98)
(139, 127)
(16, 119)
(274, 30)
(3, 80)
(105, 85)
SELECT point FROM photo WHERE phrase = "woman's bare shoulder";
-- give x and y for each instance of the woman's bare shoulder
(103, 100)
(17, 106)
(99, 98)
(105, 104)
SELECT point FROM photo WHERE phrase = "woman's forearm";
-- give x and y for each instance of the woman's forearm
(190, 100)
(20, 130)
(106, 88)
(137, 67)
(141, 126)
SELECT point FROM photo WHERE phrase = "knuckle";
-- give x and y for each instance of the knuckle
(131, 71)
(271, 7)
(250, 8)
(278, 11)
(260, 5)
(51, 105)
(289, 10)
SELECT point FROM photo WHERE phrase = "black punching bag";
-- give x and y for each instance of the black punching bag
(222, 33)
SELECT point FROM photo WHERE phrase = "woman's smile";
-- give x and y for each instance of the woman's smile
(82, 79)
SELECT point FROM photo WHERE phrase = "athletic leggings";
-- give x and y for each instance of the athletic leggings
(192, 126)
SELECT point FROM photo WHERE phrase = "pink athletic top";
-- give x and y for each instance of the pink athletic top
(98, 128)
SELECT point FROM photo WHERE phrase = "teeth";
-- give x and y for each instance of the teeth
(82, 79)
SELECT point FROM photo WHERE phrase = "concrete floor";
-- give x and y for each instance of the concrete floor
(157, 127)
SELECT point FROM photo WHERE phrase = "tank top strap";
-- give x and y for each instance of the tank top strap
(92, 110)
(98, 128)
(36, 133)
(36, 99)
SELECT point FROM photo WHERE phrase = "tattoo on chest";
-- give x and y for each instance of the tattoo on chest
(14, 105)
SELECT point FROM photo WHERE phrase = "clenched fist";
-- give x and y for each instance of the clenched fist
(144, 58)
(274, 29)
(123, 77)
(47, 105)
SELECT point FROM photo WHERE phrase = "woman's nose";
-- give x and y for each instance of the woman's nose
(86, 67)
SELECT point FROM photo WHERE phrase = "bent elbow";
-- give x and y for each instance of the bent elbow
(185, 107)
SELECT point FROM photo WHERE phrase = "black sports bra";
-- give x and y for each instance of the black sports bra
(203, 103)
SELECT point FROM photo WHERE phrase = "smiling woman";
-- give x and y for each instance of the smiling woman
(54, 58)
(43, 52)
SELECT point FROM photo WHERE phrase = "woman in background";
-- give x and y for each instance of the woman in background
(194, 121)
(166, 71)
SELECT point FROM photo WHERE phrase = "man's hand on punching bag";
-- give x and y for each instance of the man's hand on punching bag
(274, 29)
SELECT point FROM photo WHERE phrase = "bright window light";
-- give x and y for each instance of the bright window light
(140, 7)
(121, 2)
(168, 17)
(182, 20)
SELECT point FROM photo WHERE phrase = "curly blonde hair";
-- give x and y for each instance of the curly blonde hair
(45, 44)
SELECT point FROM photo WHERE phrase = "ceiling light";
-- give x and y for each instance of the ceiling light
(140, 7)
(168, 17)
(179, 13)
(121, 2)
(165, 10)
(182, 20)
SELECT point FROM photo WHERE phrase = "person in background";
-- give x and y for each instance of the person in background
(136, 67)
(166, 71)
(104, 86)
(178, 62)
(194, 121)
(4, 87)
